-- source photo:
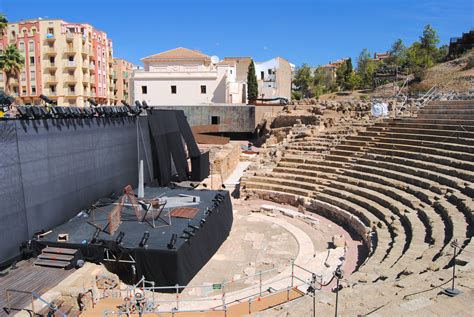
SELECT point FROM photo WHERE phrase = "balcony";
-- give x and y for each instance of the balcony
(50, 51)
(69, 49)
(51, 79)
(85, 50)
(50, 37)
(70, 92)
(69, 37)
(51, 65)
(49, 93)
(70, 64)
(70, 79)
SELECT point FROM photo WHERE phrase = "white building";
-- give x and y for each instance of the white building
(274, 78)
(185, 77)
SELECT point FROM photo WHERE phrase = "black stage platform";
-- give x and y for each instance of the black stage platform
(155, 260)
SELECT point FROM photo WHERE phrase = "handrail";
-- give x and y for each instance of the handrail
(259, 289)
(34, 295)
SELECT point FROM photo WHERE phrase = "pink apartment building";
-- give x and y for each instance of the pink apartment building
(68, 62)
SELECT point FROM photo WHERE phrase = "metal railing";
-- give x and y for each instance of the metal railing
(221, 298)
(34, 296)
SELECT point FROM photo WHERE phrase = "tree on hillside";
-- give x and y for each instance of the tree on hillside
(397, 53)
(341, 75)
(429, 39)
(349, 67)
(303, 81)
(442, 54)
(252, 85)
(11, 62)
(3, 23)
(366, 68)
(344, 73)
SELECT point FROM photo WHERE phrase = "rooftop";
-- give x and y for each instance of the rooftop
(180, 53)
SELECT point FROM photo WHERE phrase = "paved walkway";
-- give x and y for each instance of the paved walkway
(234, 178)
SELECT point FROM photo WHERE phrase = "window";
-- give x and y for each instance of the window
(23, 90)
(33, 90)
(262, 75)
(23, 75)
(203, 89)
(269, 71)
(21, 46)
(51, 31)
(173, 90)
(51, 59)
(31, 46)
(53, 89)
(231, 71)
(215, 120)
(144, 90)
(71, 58)
(32, 75)
(32, 60)
(72, 88)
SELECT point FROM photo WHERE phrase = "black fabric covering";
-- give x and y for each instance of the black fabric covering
(13, 222)
(187, 134)
(170, 132)
(200, 167)
(51, 169)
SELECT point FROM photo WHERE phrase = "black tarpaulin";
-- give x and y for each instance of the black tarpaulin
(170, 132)
(51, 169)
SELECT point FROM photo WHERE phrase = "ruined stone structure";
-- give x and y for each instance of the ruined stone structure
(405, 186)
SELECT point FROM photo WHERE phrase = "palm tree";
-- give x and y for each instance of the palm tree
(3, 23)
(11, 62)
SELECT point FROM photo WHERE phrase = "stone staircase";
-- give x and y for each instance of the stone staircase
(405, 186)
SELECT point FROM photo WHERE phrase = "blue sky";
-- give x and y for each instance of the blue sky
(313, 32)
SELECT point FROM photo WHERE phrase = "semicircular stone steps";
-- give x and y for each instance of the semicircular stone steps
(405, 185)
(391, 207)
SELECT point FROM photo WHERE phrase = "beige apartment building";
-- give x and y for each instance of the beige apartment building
(122, 71)
(67, 62)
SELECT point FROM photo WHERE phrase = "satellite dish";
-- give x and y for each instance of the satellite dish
(214, 59)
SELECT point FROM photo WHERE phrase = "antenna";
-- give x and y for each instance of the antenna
(214, 59)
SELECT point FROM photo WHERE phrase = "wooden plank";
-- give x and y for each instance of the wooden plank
(56, 256)
(28, 277)
(60, 264)
(184, 212)
(211, 139)
(210, 128)
(59, 250)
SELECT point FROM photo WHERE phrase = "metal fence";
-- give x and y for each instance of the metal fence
(142, 298)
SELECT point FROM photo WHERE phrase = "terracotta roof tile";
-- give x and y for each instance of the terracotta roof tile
(178, 53)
